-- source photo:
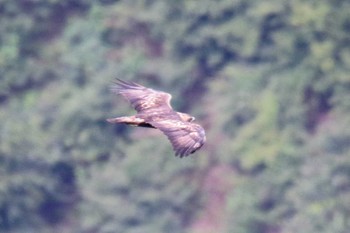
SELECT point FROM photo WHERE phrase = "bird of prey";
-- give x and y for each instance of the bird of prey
(154, 111)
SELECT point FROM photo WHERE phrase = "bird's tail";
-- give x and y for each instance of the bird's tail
(126, 120)
(130, 120)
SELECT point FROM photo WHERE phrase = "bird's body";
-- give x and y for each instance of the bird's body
(154, 111)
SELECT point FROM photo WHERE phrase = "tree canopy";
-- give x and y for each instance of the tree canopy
(268, 80)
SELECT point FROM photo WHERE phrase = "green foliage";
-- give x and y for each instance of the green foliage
(268, 80)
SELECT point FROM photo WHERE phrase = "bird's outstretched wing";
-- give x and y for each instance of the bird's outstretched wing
(154, 109)
(185, 137)
(141, 98)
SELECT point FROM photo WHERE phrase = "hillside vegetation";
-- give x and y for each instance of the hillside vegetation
(268, 80)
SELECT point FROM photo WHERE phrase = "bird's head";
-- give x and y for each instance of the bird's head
(186, 117)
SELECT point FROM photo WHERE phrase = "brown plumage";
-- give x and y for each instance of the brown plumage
(154, 111)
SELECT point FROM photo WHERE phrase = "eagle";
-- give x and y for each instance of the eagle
(154, 111)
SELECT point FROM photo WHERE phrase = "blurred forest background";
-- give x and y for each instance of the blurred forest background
(269, 81)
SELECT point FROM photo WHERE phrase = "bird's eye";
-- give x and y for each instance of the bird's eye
(192, 119)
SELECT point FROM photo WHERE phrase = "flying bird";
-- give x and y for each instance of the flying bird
(154, 111)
